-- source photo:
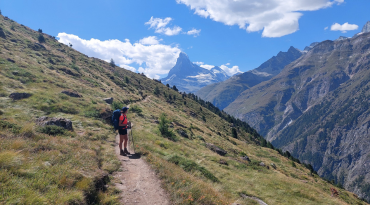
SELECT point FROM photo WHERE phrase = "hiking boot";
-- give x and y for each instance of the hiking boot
(122, 153)
(126, 152)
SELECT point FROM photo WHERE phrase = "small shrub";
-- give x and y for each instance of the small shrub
(156, 90)
(117, 105)
(127, 81)
(52, 130)
(11, 126)
(164, 130)
(136, 109)
(40, 30)
(41, 38)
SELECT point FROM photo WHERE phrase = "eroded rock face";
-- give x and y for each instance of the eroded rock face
(61, 122)
(72, 93)
(108, 100)
(19, 96)
(216, 149)
(246, 158)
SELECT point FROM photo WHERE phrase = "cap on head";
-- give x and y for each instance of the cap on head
(124, 109)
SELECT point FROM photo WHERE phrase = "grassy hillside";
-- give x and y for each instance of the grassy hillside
(52, 165)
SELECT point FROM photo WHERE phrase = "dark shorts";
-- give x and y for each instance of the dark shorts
(122, 131)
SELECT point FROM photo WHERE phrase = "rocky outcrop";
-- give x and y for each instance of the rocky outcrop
(216, 149)
(108, 100)
(72, 93)
(19, 96)
(61, 122)
(182, 133)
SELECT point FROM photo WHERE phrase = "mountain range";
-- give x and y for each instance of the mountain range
(318, 109)
(223, 93)
(190, 77)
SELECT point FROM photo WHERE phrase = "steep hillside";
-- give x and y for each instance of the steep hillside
(223, 93)
(317, 108)
(189, 77)
(202, 155)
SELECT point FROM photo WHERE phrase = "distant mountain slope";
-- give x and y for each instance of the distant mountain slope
(190, 77)
(222, 94)
(318, 108)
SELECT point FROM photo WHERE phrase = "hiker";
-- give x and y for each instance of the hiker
(122, 130)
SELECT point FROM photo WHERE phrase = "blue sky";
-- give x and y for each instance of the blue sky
(223, 38)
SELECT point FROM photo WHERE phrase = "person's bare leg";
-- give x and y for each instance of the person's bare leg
(121, 138)
(125, 143)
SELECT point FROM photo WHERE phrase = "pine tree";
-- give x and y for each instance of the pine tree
(40, 30)
(112, 63)
(156, 90)
(234, 134)
(174, 88)
(41, 38)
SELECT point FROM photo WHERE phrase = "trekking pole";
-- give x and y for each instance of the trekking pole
(133, 144)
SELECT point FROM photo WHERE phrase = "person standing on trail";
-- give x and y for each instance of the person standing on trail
(122, 130)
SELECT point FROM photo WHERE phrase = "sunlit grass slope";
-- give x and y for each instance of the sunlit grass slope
(75, 167)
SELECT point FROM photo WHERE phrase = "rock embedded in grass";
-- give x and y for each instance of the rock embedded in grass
(19, 96)
(61, 122)
(246, 158)
(108, 100)
(182, 133)
(72, 93)
(216, 149)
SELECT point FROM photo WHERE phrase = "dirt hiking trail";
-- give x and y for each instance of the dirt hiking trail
(137, 181)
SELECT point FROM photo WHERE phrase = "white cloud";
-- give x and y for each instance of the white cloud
(208, 67)
(193, 32)
(344, 28)
(150, 40)
(326, 28)
(198, 63)
(160, 26)
(275, 17)
(154, 59)
(230, 71)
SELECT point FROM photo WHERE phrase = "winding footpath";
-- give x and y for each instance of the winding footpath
(138, 183)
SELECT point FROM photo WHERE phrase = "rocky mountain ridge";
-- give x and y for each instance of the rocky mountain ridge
(189, 77)
(317, 108)
(223, 93)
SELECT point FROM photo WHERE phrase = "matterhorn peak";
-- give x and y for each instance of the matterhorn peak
(366, 28)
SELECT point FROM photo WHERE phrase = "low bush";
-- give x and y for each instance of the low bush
(136, 109)
(164, 128)
(52, 130)
(11, 126)
(117, 105)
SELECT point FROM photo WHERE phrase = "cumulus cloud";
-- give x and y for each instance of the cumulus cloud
(230, 71)
(208, 67)
(275, 17)
(153, 59)
(150, 40)
(344, 28)
(160, 26)
(193, 32)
